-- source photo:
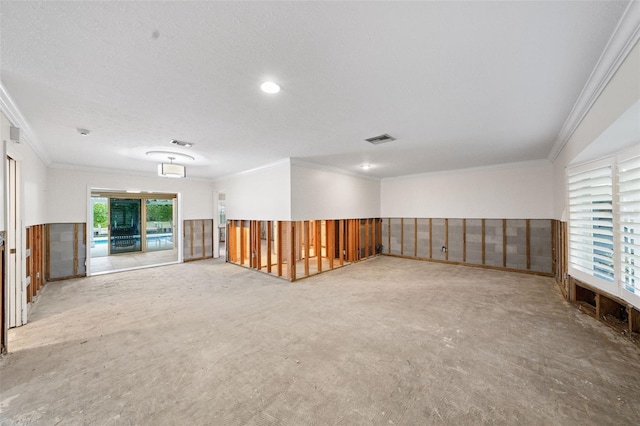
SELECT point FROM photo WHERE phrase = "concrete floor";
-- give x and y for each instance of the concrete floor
(387, 341)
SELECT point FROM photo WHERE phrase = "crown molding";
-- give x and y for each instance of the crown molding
(13, 114)
(622, 41)
(330, 169)
(254, 170)
(495, 167)
(121, 172)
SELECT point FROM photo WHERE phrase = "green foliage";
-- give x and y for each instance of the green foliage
(159, 212)
(100, 219)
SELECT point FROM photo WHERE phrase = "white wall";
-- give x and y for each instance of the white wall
(321, 194)
(67, 195)
(260, 194)
(517, 191)
(621, 93)
(33, 175)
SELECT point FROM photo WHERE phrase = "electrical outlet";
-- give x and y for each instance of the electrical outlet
(444, 249)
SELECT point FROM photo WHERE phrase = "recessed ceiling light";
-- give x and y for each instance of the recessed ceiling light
(365, 166)
(270, 87)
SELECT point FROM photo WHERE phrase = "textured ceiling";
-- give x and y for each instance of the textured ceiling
(459, 84)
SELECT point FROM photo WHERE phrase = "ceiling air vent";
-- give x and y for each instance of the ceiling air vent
(181, 143)
(377, 140)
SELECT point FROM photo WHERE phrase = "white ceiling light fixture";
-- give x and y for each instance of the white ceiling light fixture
(172, 170)
(365, 166)
(270, 87)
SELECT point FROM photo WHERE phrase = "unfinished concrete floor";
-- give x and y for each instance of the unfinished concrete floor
(387, 341)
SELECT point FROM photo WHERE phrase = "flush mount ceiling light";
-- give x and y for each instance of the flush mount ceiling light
(172, 170)
(365, 166)
(270, 87)
(83, 132)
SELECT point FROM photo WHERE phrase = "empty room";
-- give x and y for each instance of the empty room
(320, 212)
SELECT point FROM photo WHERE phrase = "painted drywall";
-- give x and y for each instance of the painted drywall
(67, 194)
(318, 193)
(260, 194)
(33, 174)
(517, 191)
(621, 93)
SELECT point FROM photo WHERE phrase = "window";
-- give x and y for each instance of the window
(629, 223)
(591, 221)
(604, 224)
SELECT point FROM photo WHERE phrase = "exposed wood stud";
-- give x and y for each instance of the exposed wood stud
(415, 237)
(341, 242)
(504, 242)
(279, 247)
(483, 244)
(389, 235)
(292, 251)
(319, 244)
(446, 238)
(464, 240)
(191, 239)
(331, 242)
(75, 249)
(305, 226)
(401, 236)
(269, 242)
(528, 233)
(366, 237)
(259, 244)
(430, 238)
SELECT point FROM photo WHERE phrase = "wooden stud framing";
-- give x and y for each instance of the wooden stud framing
(446, 238)
(464, 240)
(528, 233)
(389, 235)
(483, 238)
(258, 245)
(415, 237)
(366, 237)
(341, 242)
(242, 242)
(331, 241)
(279, 248)
(75, 249)
(292, 251)
(319, 244)
(269, 239)
(204, 240)
(430, 238)
(504, 243)
(401, 236)
(191, 239)
(305, 226)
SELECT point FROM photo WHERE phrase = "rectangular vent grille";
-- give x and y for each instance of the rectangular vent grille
(377, 140)
(181, 143)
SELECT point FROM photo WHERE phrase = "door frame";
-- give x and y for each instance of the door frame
(122, 193)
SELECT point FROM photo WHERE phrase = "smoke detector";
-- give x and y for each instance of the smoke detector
(181, 143)
(380, 139)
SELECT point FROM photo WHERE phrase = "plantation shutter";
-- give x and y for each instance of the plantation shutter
(591, 220)
(629, 223)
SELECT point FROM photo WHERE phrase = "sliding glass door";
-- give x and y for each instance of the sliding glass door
(125, 219)
(159, 224)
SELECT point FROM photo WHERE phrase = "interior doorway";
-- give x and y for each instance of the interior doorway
(132, 230)
(16, 298)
